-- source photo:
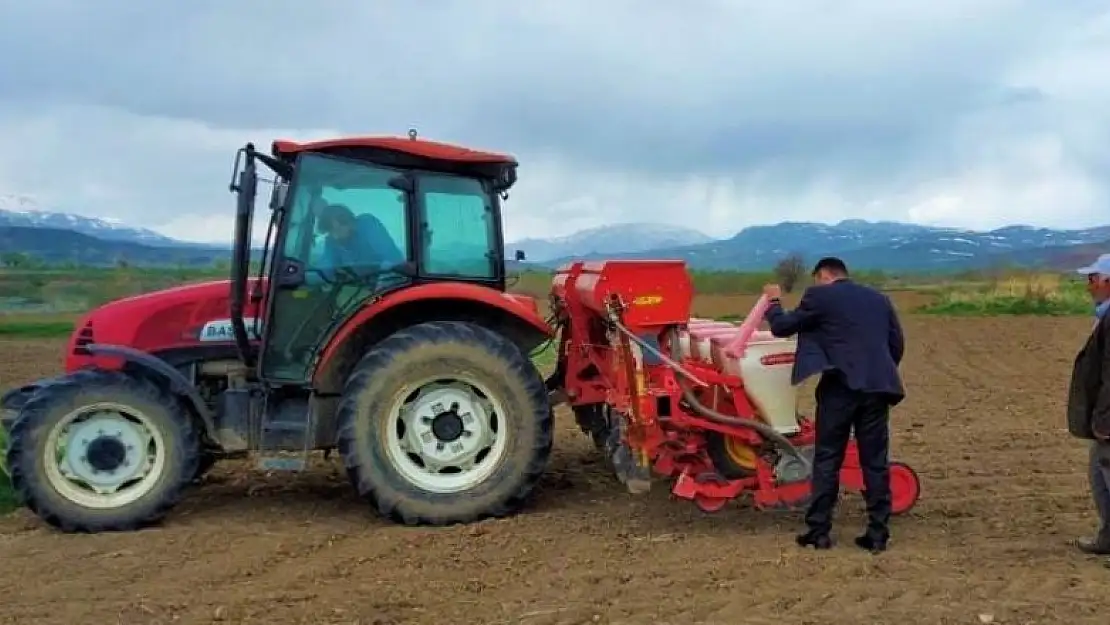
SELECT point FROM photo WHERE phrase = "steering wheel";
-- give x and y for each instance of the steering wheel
(345, 275)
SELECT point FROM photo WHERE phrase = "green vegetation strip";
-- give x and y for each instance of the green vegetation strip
(1006, 306)
(1068, 299)
(20, 329)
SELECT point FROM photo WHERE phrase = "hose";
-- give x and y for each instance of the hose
(765, 430)
(670, 362)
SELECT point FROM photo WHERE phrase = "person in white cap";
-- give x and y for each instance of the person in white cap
(1089, 401)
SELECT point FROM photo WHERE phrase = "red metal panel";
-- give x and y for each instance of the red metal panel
(654, 292)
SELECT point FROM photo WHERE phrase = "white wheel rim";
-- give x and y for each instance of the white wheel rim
(124, 434)
(420, 431)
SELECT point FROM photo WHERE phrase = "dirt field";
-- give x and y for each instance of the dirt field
(1004, 490)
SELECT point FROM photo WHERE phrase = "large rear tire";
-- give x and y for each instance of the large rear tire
(98, 451)
(445, 422)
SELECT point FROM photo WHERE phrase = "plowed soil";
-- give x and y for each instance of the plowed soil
(1004, 492)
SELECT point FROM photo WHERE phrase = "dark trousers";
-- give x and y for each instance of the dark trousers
(1100, 487)
(840, 410)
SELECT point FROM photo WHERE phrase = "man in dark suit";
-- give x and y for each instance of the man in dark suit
(850, 334)
(1089, 401)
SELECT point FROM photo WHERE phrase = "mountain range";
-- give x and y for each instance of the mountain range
(58, 237)
(885, 245)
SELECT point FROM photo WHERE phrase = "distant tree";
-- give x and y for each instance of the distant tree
(16, 260)
(788, 271)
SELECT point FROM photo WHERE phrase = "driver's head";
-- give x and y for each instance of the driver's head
(336, 221)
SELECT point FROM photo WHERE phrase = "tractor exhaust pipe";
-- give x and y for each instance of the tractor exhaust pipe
(246, 189)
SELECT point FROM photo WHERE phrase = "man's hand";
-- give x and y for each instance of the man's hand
(772, 291)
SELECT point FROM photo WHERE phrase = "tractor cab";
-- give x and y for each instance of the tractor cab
(350, 221)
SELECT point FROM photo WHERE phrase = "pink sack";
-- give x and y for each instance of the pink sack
(736, 348)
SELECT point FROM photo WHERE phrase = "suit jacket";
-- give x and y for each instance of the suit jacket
(848, 328)
(1089, 389)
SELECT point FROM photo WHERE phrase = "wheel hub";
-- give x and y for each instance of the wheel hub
(448, 426)
(447, 436)
(106, 453)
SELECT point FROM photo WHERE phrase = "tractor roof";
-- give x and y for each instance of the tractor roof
(420, 148)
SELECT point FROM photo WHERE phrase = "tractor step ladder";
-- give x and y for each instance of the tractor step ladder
(285, 439)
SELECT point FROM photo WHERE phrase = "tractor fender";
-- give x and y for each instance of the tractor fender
(451, 294)
(179, 384)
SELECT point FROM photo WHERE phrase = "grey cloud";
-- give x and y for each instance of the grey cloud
(688, 86)
(876, 96)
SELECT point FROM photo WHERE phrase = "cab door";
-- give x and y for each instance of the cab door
(320, 278)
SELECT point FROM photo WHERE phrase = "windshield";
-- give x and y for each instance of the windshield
(345, 215)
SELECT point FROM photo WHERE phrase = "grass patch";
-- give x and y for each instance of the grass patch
(16, 328)
(544, 358)
(1042, 294)
(7, 496)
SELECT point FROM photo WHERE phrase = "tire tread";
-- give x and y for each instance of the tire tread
(72, 518)
(380, 357)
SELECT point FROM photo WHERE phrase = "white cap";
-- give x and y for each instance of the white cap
(1101, 266)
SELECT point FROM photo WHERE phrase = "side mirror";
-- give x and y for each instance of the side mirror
(519, 256)
(506, 178)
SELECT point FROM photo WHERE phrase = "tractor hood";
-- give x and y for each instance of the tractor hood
(160, 320)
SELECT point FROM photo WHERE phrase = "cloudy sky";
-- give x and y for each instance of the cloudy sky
(715, 114)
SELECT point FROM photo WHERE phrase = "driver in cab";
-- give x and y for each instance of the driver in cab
(361, 245)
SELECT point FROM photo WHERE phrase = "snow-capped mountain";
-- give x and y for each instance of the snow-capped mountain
(22, 211)
(616, 238)
(891, 246)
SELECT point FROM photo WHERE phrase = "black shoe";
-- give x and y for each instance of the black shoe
(817, 541)
(869, 543)
(1094, 547)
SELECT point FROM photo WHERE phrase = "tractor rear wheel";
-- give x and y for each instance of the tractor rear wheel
(99, 450)
(445, 422)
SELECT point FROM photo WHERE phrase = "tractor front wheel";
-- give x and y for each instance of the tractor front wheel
(101, 451)
(445, 422)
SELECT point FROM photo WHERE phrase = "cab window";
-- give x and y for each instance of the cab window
(458, 237)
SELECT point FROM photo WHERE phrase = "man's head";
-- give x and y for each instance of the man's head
(1098, 278)
(829, 269)
(336, 221)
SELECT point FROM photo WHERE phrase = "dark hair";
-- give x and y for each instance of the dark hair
(331, 214)
(831, 264)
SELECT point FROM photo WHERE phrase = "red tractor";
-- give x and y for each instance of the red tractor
(378, 324)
